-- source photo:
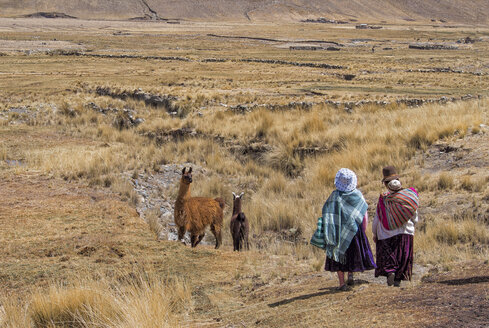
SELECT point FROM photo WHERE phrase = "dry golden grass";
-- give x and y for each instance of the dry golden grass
(284, 161)
(445, 181)
(152, 218)
(444, 240)
(469, 183)
(143, 301)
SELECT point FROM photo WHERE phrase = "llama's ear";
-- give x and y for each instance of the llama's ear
(241, 195)
(183, 171)
(234, 195)
(190, 170)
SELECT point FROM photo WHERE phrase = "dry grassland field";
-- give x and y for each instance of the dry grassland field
(98, 118)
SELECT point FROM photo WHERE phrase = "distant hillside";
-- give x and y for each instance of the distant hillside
(456, 11)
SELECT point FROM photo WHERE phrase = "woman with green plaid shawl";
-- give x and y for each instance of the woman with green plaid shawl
(345, 220)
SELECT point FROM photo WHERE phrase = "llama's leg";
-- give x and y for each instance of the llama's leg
(199, 239)
(181, 233)
(235, 244)
(193, 239)
(216, 230)
(240, 243)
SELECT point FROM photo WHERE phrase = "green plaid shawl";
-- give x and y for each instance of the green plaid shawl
(343, 212)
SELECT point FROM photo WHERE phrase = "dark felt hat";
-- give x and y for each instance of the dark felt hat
(389, 173)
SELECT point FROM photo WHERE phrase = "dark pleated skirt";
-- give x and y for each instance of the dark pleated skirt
(395, 255)
(358, 256)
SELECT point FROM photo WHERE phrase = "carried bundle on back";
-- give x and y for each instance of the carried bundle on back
(397, 208)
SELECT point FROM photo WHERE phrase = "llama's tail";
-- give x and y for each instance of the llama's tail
(221, 202)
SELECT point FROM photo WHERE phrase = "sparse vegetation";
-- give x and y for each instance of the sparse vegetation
(445, 181)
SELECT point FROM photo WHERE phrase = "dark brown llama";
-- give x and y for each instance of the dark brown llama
(239, 225)
(194, 214)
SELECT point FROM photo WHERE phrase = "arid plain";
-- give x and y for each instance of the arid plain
(98, 117)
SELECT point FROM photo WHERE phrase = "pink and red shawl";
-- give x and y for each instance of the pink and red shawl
(395, 209)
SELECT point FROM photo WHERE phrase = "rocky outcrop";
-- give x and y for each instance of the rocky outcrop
(367, 26)
(347, 105)
(323, 20)
(444, 70)
(123, 118)
(175, 58)
(289, 63)
(432, 46)
(157, 101)
(49, 15)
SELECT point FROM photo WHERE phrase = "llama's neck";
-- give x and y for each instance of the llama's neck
(183, 192)
(237, 206)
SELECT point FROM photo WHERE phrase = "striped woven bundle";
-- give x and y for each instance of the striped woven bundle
(400, 207)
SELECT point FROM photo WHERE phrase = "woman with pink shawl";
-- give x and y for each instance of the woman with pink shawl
(393, 229)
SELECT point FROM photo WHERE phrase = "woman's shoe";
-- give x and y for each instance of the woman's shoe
(350, 282)
(390, 279)
(344, 288)
(397, 283)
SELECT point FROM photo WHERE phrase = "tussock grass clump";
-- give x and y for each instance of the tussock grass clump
(313, 124)
(126, 190)
(420, 182)
(469, 184)
(445, 181)
(284, 159)
(276, 184)
(153, 220)
(263, 122)
(476, 130)
(463, 231)
(447, 239)
(140, 300)
(66, 109)
(75, 307)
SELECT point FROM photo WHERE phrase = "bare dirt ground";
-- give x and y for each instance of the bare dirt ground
(8, 45)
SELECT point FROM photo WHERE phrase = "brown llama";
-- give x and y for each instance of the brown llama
(194, 214)
(239, 225)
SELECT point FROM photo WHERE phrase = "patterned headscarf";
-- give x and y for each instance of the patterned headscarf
(345, 180)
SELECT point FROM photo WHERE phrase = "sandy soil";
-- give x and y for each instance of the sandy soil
(9, 45)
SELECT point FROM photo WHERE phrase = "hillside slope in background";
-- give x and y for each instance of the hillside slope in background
(459, 11)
